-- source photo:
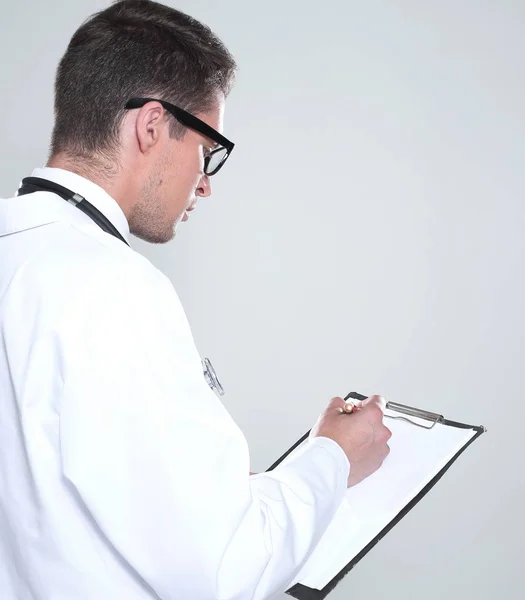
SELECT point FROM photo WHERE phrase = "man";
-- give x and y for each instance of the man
(122, 476)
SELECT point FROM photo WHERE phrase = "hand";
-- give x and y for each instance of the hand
(361, 434)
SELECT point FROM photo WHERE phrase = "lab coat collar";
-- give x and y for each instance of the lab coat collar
(92, 192)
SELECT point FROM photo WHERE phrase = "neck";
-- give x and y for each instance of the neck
(106, 175)
(93, 169)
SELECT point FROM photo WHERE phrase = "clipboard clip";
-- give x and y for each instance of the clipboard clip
(414, 412)
(408, 411)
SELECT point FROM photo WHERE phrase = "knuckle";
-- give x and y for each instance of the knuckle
(375, 410)
(378, 399)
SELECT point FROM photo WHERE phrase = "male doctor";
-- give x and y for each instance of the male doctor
(122, 476)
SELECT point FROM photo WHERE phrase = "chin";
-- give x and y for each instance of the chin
(155, 237)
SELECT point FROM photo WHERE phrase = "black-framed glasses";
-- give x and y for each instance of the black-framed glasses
(218, 156)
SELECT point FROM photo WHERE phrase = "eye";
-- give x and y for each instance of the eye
(206, 151)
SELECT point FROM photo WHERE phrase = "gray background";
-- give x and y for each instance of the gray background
(366, 234)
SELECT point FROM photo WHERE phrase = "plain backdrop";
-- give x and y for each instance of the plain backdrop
(367, 234)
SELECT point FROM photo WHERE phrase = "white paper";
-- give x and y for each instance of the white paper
(416, 456)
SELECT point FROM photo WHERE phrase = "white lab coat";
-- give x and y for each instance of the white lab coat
(122, 476)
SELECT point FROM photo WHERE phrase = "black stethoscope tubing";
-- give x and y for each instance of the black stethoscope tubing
(37, 184)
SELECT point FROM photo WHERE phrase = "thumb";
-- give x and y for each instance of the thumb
(336, 402)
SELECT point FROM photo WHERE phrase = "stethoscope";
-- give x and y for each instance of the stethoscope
(211, 377)
(37, 184)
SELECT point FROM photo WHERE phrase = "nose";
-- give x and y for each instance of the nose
(204, 188)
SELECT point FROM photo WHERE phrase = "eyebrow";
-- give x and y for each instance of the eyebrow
(213, 145)
(211, 142)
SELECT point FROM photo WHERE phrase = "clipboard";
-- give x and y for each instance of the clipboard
(416, 417)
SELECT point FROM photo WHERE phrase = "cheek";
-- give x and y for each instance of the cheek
(179, 190)
(183, 178)
(194, 171)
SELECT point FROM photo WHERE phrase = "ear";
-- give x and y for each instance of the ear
(149, 126)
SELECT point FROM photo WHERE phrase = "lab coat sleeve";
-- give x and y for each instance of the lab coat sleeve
(160, 464)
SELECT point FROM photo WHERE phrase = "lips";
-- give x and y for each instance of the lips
(186, 215)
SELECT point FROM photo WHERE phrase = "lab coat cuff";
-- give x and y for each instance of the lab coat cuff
(336, 451)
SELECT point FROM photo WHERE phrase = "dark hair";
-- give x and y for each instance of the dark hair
(134, 48)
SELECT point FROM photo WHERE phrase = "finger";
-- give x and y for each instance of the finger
(376, 400)
(337, 403)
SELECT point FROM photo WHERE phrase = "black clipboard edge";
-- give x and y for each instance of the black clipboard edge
(302, 592)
